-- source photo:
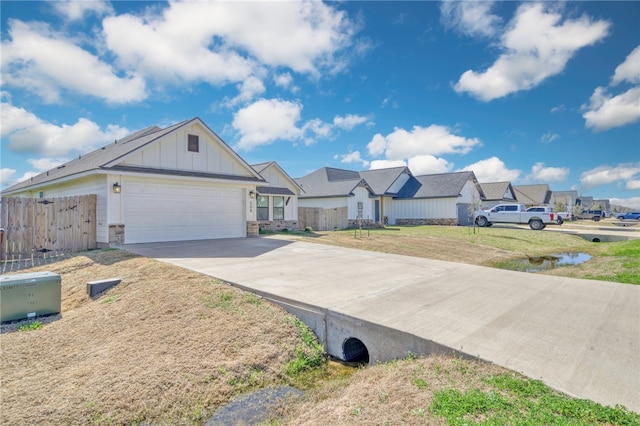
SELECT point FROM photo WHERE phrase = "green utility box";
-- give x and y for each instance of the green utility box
(25, 296)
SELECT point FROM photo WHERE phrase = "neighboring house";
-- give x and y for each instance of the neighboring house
(585, 202)
(337, 189)
(603, 204)
(392, 196)
(276, 204)
(533, 195)
(567, 198)
(178, 183)
(497, 193)
(439, 199)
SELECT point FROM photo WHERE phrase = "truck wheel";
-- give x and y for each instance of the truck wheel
(596, 218)
(559, 221)
(536, 225)
(482, 221)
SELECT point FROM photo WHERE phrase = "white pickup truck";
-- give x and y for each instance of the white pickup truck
(515, 213)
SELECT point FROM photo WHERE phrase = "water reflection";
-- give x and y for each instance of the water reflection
(542, 263)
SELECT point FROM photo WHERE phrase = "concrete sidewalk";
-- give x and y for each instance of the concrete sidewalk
(579, 336)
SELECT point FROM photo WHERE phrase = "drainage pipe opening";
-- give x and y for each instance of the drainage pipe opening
(355, 351)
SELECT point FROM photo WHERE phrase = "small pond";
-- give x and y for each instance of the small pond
(542, 263)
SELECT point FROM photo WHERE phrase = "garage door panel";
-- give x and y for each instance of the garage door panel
(173, 212)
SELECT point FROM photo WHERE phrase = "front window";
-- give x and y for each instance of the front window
(262, 207)
(278, 208)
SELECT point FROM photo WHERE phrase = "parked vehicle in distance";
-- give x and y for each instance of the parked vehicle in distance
(562, 216)
(594, 215)
(515, 213)
(629, 215)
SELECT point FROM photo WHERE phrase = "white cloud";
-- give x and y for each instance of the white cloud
(428, 165)
(354, 157)
(433, 140)
(549, 137)
(631, 203)
(633, 185)
(542, 174)
(249, 89)
(6, 175)
(27, 133)
(604, 175)
(493, 170)
(472, 18)
(267, 120)
(629, 70)
(319, 128)
(46, 63)
(75, 10)
(386, 164)
(537, 46)
(221, 42)
(606, 111)
(349, 121)
(283, 80)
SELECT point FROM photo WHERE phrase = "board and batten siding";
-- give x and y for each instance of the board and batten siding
(422, 208)
(361, 194)
(469, 193)
(325, 203)
(90, 185)
(170, 152)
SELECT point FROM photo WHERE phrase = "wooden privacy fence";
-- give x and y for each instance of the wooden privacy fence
(320, 219)
(37, 227)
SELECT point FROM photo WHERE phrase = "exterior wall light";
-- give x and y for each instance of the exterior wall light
(252, 194)
(117, 188)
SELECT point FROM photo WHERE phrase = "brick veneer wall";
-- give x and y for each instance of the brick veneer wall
(279, 225)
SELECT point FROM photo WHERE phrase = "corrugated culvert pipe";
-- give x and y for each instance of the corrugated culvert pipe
(355, 351)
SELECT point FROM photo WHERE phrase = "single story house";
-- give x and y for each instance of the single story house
(182, 182)
(277, 203)
(365, 196)
(392, 196)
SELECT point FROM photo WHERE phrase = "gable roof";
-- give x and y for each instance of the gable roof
(436, 186)
(271, 190)
(329, 182)
(533, 194)
(107, 158)
(381, 180)
(494, 191)
(332, 182)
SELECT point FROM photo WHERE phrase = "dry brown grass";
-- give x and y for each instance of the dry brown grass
(165, 346)
(396, 393)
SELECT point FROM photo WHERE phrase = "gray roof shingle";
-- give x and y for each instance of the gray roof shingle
(332, 182)
(435, 186)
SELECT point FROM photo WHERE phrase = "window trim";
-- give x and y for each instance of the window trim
(278, 209)
(260, 208)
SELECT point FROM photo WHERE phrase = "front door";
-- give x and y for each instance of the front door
(377, 210)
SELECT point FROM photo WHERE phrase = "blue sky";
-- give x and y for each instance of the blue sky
(530, 92)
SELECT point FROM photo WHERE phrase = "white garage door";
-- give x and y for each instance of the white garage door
(174, 212)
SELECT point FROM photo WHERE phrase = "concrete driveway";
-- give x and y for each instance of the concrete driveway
(579, 336)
